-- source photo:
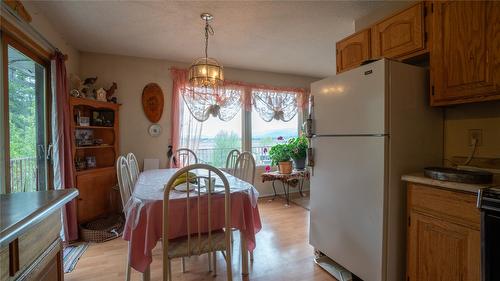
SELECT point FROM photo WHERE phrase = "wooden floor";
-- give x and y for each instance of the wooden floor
(282, 253)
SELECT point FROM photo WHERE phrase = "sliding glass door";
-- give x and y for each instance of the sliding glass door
(26, 115)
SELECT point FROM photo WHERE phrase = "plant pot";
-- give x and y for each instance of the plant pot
(300, 164)
(285, 167)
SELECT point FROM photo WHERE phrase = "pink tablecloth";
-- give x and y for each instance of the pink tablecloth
(144, 211)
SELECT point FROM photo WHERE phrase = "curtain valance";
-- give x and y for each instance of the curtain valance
(269, 102)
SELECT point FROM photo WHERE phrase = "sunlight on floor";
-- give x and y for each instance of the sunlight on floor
(282, 253)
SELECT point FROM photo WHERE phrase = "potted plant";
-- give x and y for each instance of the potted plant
(280, 155)
(298, 151)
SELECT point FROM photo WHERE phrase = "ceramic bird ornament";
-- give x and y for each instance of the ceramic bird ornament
(110, 92)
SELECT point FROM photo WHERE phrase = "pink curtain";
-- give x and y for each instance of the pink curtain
(62, 145)
(179, 77)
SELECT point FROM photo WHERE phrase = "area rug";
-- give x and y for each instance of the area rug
(301, 201)
(72, 254)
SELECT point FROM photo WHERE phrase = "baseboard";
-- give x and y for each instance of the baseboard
(266, 195)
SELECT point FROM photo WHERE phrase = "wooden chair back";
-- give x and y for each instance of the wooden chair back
(194, 204)
(124, 179)
(133, 166)
(245, 167)
(183, 157)
(232, 156)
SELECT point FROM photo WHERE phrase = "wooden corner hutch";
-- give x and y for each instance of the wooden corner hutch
(95, 147)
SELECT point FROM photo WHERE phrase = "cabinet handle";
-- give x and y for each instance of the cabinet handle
(13, 257)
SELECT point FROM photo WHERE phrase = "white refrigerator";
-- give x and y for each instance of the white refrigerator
(371, 125)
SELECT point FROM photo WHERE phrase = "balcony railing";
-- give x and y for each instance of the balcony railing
(217, 156)
(23, 174)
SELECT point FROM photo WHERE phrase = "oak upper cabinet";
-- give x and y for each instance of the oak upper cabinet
(465, 56)
(353, 50)
(443, 235)
(399, 35)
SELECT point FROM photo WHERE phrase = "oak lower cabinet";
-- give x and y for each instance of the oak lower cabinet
(96, 190)
(443, 238)
(399, 35)
(465, 57)
(353, 50)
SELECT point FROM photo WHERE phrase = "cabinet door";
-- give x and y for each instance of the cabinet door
(441, 250)
(465, 57)
(95, 190)
(353, 50)
(399, 35)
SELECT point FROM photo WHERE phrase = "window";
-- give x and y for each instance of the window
(212, 139)
(263, 114)
(266, 134)
(27, 119)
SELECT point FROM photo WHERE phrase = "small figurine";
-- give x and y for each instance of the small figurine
(90, 81)
(110, 92)
(101, 94)
(89, 87)
(76, 86)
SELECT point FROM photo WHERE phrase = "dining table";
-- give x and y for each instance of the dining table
(144, 216)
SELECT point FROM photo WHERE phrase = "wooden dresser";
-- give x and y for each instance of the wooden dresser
(30, 243)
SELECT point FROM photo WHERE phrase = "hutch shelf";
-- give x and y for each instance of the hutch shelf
(95, 147)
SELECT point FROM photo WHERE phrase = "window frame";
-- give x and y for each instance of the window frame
(247, 129)
(25, 46)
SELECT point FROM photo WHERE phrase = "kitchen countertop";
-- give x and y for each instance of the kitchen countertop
(457, 186)
(20, 211)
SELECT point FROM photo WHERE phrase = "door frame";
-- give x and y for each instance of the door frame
(42, 59)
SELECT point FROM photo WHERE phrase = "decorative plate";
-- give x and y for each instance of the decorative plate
(152, 102)
(154, 130)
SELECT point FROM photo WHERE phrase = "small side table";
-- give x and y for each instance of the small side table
(294, 179)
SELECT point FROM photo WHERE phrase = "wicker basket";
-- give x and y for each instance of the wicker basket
(103, 229)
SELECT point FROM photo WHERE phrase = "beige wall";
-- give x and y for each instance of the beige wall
(43, 26)
(132, 74)
(460, 119)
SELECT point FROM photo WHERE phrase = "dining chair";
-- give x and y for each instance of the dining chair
(134, 167)
(244, 168)
(183, 157)
(125, 185)
(198, 241)
(232, 156)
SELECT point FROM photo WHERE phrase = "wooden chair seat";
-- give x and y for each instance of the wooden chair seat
(179, 247)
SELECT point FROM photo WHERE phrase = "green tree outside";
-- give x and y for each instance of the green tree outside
(223, 143)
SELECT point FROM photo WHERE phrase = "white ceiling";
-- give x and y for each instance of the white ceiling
(279, 36)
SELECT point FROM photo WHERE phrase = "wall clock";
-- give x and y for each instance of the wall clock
(152, 102)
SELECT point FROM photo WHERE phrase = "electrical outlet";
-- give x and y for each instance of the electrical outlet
(475, 134)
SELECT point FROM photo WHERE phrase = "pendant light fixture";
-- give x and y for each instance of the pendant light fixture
(206, 94)
(205, 71)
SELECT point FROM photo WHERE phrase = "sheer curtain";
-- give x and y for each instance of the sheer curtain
(190, 129)
(186, 130)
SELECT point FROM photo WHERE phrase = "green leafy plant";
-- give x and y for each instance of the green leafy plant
(298, 147)
(279, 153)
